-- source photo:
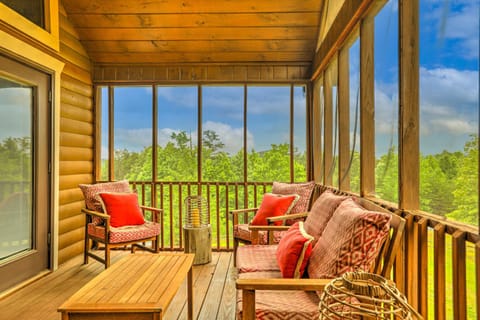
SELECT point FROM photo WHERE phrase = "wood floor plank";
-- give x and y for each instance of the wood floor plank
(228, 302)
(215, 289)
(214, 284)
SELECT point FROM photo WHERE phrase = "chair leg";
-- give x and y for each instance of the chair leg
(85, 250)
(157, 244)
(235, 246)
(107, 256)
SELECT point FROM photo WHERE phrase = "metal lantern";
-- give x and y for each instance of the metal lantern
(362, 295)
(196, 212)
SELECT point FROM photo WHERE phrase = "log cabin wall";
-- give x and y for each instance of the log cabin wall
(76, 139)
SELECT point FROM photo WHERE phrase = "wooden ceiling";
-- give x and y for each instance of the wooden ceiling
(197, 31)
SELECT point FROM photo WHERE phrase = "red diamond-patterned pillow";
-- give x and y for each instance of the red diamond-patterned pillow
(304, 190)
(351, 241)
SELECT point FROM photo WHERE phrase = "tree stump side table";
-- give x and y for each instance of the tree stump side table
(198, 240)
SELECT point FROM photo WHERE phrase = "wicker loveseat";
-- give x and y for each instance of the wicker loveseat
(346, 233)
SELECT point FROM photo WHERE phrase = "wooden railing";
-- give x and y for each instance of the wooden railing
(221, 197)
(438, 266)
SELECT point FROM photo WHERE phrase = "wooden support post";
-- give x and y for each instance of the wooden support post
(343, 119)
(328, 128)
(367, 108)
(422, 273)
(408, 149)
(317, 126)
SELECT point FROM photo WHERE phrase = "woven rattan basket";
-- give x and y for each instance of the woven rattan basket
(361, 295)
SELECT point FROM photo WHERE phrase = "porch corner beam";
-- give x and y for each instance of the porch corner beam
(367, 107)
(327, 129)
(408, 135)
(347, 18)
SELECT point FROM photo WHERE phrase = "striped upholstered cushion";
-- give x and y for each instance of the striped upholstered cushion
(281, 305)
(255, 258)
(321, 212)
(304, 190)
(128, 233)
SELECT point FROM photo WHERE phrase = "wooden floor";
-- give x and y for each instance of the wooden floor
(214, 291)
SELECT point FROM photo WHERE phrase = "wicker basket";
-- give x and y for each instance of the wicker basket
(361, 295)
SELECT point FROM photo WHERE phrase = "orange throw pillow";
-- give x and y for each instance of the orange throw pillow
(123, 208)
(273, 205)
(293, 251)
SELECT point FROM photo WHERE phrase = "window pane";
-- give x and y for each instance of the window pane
(16, 171)
(33, 10)
(222, 144)
(177, 133)
(386, 102)
(299, 136)
(268, 124)
(449, 108)
(354, 65)
(133, 133)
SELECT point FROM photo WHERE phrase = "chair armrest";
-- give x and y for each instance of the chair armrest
(282, 284)
(287, 217)
(254, 230)
(155, 212)
(249, 286)
(100, 215)
(235, 213)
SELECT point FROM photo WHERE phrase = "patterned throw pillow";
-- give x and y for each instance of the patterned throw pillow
(321, 212)
(304, 190)
(293, 251)
(90, 191)
(122, 208)
(351, 241)
(273, 205)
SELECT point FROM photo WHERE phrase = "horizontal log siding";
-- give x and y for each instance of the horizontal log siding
(76, 140)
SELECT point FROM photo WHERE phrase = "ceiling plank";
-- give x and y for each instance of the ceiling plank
(189, 6)
(304, 19)
(192, 57)
(198, 34)
(199, 46)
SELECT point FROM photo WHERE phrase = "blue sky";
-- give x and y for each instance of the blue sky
(448, 92)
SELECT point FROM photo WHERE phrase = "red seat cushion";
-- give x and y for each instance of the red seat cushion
(122, 208)
(293, 251)
(273, 205)
(127, 233)
(257, 258)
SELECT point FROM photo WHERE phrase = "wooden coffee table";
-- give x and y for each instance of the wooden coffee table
(139, 286)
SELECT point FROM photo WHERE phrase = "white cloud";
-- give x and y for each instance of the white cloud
(448, 101)
(15, 112)
(456, 21)
(138, 139)
(133, 139)
(232, 138)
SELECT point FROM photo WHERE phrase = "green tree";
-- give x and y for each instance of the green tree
(466, 185)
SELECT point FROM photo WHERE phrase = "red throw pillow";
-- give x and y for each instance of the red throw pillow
(123, 208)
(273, 205)
(293, 251)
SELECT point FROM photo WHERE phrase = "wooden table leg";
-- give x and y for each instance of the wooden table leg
(190, 293)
